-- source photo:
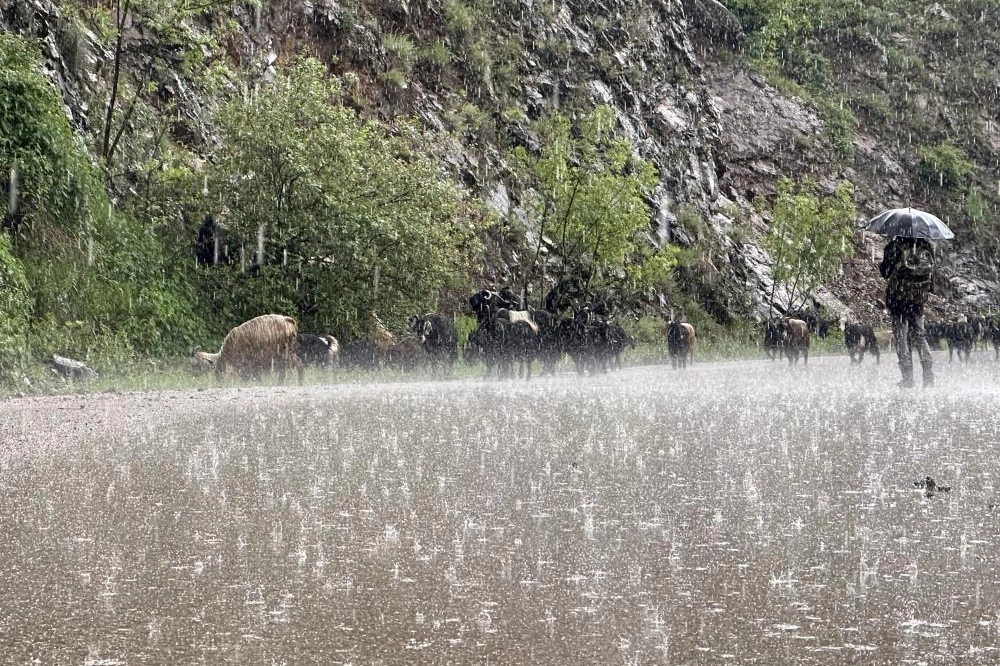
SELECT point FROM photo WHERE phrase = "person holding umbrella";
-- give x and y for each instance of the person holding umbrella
(908, 267)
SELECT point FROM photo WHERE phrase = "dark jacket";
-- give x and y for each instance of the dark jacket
(900, 297)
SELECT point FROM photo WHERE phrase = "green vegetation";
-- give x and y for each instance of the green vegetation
(14, 306)
(586, 194)
(354, 214)
(809, 237)
(96, 282)
(350, 215)
(945, 167)
(335, 211)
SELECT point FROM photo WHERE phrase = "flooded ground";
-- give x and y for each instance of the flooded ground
(732, 513)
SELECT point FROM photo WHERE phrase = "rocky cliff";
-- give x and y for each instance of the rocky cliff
(718, 131)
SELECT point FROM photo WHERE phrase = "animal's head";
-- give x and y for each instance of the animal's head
(421, 327)
(483, 303)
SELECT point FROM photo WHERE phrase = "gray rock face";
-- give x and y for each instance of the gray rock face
(719, 134)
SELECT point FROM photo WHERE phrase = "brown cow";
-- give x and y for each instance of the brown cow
(795, 338)
(264, 344)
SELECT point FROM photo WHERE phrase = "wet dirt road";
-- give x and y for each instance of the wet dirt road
(732, 513)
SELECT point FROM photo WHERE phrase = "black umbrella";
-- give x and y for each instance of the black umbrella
(911, 223)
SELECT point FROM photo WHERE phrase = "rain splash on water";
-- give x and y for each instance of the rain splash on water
(738, 512)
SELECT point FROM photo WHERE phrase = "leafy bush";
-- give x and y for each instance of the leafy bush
(351, 216)
(402, 48)
(587, 190)
(436, 54)
(58, 186)
(839, 124)
(459, 17)
(944, 166)
(646, 330)
(96, 279)
(14, 308)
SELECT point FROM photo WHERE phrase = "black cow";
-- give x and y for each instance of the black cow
(860, 338)
(439, 338)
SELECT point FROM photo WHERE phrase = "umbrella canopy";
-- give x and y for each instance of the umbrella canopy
(911, 223)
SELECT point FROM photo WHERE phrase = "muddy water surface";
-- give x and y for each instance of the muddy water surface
(733, 513)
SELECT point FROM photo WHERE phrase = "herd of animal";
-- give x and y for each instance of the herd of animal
(510, 339)
(791, 337)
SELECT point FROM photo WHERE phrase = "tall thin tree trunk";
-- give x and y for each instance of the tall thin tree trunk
(123, 10)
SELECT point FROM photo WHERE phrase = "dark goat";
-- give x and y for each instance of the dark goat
(795, 339)
(318, 350)
(359, 353)
(439, 338)
(498, 343)
(405, 354)
(618, 341)
(960, 335)
(680, 343)
(772, 339)
(860, 338)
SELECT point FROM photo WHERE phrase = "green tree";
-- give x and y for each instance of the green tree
(587, 199)
(810, 235)
(178, 44)
(339, 215)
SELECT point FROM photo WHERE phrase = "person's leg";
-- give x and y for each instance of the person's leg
(900, 331)
(923, 348)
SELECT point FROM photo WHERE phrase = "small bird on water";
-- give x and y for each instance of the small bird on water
(928, 484)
